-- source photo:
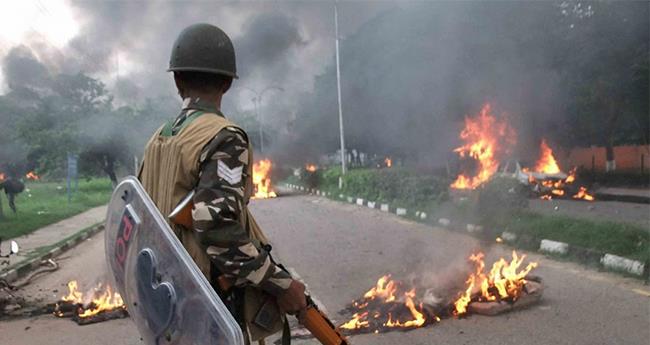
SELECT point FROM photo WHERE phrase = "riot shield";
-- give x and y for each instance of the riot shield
(165, 293)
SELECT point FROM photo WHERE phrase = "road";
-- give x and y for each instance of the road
(340, 250)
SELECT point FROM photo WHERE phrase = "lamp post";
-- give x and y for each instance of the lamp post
(338, 89)
(257, 101)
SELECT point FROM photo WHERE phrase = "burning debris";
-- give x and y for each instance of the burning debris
(389, 305)
(547, 178)
(486, 140)
(311, 168)
(262, 179)
(388, 162)
(101, 304)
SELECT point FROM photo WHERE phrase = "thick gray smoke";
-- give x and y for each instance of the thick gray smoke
(410, 74)
(410, 70)
(21, 68)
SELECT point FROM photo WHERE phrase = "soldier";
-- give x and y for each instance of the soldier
(201, 150)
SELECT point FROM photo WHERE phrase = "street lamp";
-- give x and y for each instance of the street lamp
(257, 101)
(338, 92)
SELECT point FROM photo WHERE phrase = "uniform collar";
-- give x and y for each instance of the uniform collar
(199, 104)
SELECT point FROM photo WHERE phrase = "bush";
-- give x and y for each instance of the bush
(394, 185)
(501, 197)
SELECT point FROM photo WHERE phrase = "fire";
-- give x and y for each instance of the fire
(388, 161)
(32, 176)
(582, 194)
(485, 140)
(386, 306)
(546, 163)
(2, 177)
(554, 187)
(311, 167)
(359, 320)
(102, 299)
(505, 281)
(262, 179)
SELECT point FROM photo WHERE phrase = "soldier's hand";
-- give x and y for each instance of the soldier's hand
(293, 299)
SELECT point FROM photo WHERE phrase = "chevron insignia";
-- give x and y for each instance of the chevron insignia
(232, 176)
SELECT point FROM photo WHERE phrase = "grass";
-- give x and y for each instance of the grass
(622, 239)
(44, 203)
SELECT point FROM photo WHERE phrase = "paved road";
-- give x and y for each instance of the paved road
(341, 250)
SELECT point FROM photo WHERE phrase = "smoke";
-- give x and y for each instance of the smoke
(23, 69)
(410, 70)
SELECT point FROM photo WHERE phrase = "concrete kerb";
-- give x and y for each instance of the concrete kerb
(31, 263)
(591, 256)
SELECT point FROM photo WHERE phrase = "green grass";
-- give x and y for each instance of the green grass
(616, 238)
(44, 203)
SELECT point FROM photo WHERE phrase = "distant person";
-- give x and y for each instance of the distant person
(12, 187)
(201, 150)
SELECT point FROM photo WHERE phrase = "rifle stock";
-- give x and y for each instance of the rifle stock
(320, 326)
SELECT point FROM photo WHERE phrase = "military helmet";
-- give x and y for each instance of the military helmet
(203, 48)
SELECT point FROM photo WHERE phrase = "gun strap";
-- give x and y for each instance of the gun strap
(286, 333)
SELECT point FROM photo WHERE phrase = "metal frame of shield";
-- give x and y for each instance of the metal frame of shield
(167, 296)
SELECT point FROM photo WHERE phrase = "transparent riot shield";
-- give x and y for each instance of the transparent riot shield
(166, 294)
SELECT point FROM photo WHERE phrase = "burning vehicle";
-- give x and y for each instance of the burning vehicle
(488, 141)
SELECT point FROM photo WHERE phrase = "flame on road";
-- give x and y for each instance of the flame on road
(389, 305)
(386, 305)
(505, 281)
(262, 179)
(486, 139)
(101, 298)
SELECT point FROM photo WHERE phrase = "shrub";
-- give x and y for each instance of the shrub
(501, 197)
(395, 185)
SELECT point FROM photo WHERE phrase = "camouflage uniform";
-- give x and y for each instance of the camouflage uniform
(218, 202)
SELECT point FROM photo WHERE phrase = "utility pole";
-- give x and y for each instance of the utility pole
(338, 89)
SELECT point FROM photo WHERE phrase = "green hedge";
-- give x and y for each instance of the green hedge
(395, 185)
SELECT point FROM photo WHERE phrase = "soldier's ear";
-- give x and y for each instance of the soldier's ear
(227, 84)
(179, 84)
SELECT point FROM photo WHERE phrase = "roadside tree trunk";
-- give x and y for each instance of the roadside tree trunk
(109, 169)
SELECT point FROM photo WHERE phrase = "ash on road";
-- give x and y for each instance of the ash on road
(340, 250)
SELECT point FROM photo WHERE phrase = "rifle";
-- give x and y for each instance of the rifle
(312, 318)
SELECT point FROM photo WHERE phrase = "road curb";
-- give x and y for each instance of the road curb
(586, 255)
(22, 268)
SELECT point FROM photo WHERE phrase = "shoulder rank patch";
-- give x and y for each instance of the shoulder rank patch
(232, 176)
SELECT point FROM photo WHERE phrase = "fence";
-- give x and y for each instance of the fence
(628, 158)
